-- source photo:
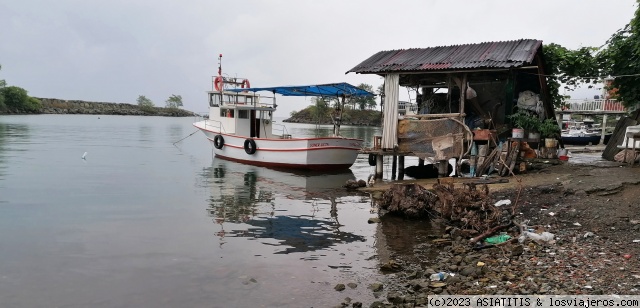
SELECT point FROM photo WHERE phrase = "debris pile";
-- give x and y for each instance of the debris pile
(468, 207)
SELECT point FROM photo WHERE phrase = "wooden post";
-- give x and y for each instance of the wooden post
(463, 93)
(420, 162)
(443, 167)
(379, 162)
(394, 164)
(401, 168)
(604, 128)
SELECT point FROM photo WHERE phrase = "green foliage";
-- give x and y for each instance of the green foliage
(2, 82)
(2, 85)
(364, 102)
(15, 98)
(549, 129)
(320, 109)
(33, 105)
(524, 119)
(144, 102)
(569, 67)
(174, 101)
(622, 58)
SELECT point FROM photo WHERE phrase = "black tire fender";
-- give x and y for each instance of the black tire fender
(372, 159)
(218, 142)
(250, 146)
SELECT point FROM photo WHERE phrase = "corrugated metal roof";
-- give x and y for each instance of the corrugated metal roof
(458, 57)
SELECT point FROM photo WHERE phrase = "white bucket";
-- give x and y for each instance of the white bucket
(517, 133)
(562, 152)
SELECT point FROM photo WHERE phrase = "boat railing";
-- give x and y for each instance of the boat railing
(593, 105)
(407, 108)
(213, 124)
(243, 100)
(282, 130)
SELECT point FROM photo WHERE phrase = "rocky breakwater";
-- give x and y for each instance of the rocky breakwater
(58, 106)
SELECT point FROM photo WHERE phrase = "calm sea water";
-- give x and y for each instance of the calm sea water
(141, 222)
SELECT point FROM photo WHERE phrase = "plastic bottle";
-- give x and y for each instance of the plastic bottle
(473, 160)
(439, 276)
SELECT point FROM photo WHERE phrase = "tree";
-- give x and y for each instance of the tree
(2, 85)
(622, 58)
(320, 109)
(144, 102)
(174, 101)
(569, 67)
(2, 82)
(618, 57)
(364, 102)
(15, 97)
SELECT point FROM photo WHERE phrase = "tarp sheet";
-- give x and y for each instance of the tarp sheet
(330, 89)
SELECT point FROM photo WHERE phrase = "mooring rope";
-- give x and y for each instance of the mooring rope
(197, 130)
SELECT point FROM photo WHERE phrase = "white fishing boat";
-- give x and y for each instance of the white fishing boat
(240, 127)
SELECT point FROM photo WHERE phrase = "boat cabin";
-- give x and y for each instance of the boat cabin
(241, 113)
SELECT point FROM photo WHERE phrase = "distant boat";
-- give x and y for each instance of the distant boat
(583, 136)
(240, 127)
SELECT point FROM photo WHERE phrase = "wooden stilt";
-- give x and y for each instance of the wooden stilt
(401, 168)
(379, 162)
(394, 164)
(443, 168)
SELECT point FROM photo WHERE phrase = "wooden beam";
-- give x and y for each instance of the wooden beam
(436, 115)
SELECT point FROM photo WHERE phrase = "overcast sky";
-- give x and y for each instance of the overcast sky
(113, 51)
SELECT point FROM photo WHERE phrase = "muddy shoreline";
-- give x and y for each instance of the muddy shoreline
(593, 211)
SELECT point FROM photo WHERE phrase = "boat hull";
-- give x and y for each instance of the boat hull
(327, 153)
(586, 140)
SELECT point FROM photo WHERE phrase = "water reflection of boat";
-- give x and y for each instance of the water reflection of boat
(255, 202)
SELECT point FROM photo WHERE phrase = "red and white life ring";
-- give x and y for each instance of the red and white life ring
(245, 84)
(218, 83)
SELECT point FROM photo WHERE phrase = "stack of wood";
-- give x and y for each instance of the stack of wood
(502, 159)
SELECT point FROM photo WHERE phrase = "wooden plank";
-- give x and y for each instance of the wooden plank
(618, 136)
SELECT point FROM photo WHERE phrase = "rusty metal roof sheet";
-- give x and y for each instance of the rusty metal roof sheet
(504, 54)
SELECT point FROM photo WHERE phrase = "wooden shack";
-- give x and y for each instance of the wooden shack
(464, 93)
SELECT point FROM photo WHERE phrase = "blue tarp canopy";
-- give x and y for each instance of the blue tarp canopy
(330, 89)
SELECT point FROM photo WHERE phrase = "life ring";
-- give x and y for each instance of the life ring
(372, 159)
(218, 83)
(218, 142)
(245, 84)
(250, 146)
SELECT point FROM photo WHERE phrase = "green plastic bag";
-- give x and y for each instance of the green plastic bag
(497, 239)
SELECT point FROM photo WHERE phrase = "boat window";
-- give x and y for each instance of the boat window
(241, 99)
(229, 99)
(243, 114)
(214, 100)
(249, 99)
(227, 113)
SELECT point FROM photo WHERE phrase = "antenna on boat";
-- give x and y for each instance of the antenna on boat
(220, 65)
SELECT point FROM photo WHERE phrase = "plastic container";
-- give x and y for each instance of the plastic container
(439, 276)
(542, 237)
(517, 133)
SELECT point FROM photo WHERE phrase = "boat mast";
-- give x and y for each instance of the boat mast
(338, 118)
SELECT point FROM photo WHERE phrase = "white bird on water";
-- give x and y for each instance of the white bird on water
(84, 156)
